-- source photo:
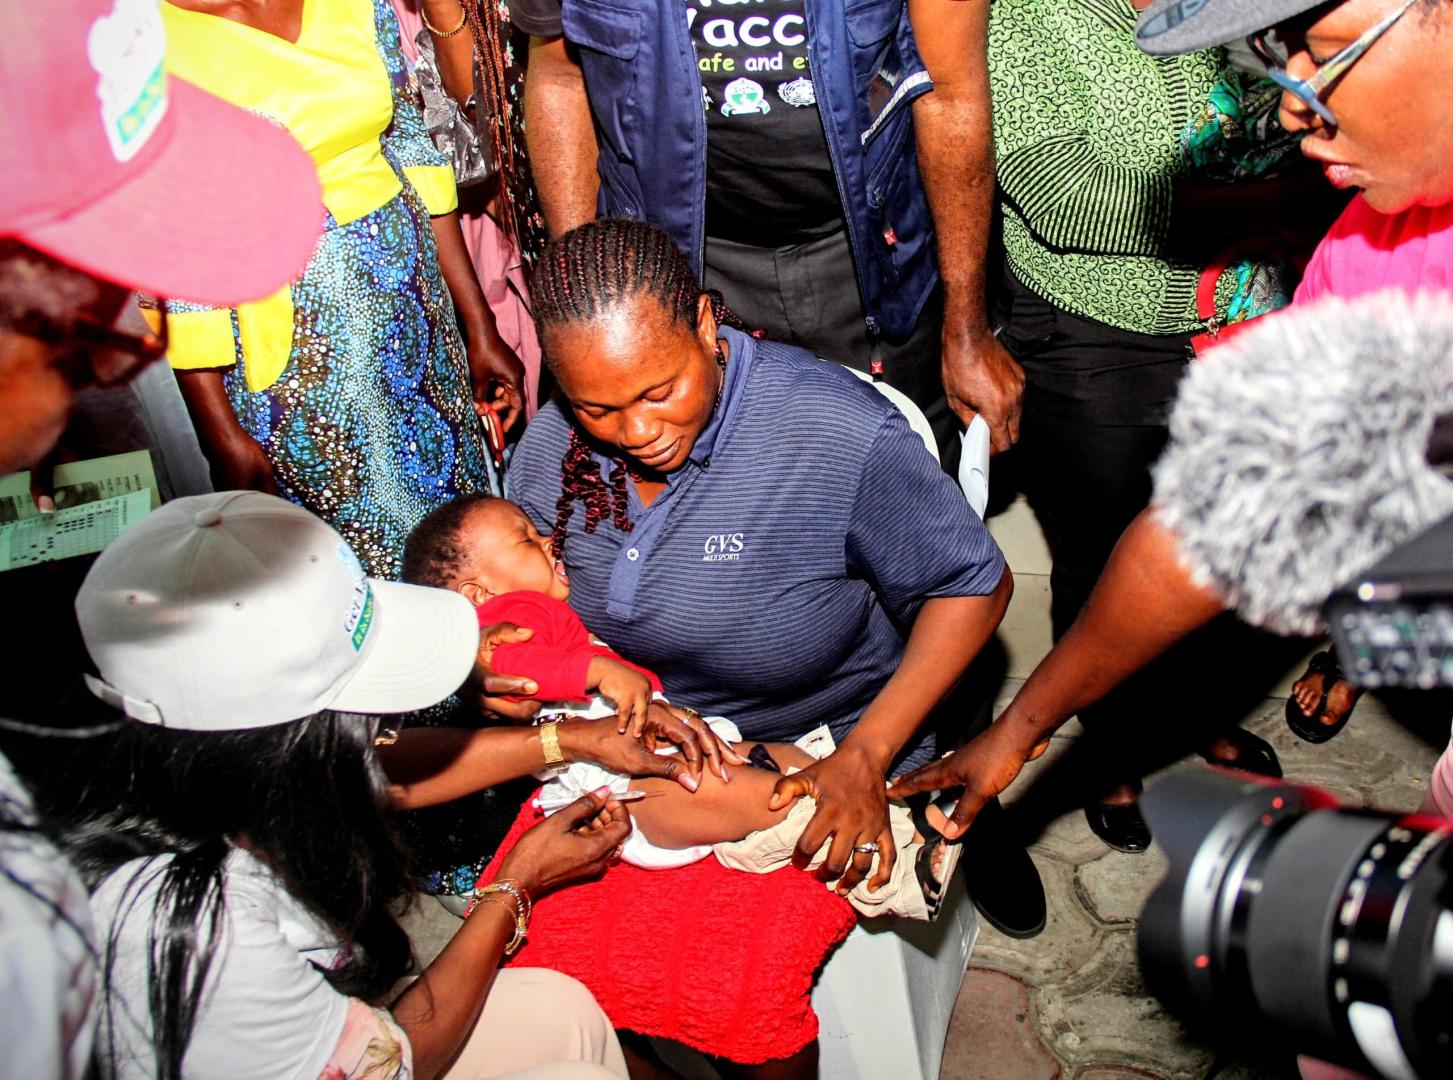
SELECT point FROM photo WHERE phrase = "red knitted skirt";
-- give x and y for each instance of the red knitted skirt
(717, 959)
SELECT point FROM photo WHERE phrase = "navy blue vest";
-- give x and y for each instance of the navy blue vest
(641, 77)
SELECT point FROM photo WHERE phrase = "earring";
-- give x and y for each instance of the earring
(721, 376)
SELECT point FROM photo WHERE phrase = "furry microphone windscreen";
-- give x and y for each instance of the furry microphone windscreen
(1297, 451)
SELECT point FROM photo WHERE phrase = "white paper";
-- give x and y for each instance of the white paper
(75, 530)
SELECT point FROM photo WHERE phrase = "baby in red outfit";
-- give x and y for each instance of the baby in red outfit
(488, 550)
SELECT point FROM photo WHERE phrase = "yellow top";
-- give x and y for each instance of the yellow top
(332, 90)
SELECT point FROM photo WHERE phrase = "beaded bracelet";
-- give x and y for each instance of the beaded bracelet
(463, 18)
(485, 894)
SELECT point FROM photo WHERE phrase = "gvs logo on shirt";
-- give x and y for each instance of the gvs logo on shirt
(724, 547)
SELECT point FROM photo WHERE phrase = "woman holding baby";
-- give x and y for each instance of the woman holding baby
(768, 535)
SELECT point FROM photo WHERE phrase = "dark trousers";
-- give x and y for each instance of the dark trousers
(807, 295)
(1096, 403)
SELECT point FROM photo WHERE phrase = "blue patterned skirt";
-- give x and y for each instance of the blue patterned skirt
(372, 423)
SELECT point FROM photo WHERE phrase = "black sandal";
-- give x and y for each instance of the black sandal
(934, 885)
(1310, 728)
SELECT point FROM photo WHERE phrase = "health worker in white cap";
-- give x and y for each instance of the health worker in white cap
(113, 180)
(234, 828)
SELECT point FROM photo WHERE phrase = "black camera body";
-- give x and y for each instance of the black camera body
(1288, 919)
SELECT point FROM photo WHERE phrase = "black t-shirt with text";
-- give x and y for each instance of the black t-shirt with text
(769, 180)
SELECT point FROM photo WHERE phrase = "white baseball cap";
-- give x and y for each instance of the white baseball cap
(240, 610)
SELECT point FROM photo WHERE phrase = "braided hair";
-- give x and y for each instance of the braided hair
(499, 81)
(582, 276)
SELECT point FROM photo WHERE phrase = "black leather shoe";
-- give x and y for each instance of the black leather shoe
(1122, 827)
(1253, 754)
(1001, 877)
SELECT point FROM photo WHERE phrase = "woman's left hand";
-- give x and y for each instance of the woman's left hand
(497, 376)
(852, 813)
(665, 724)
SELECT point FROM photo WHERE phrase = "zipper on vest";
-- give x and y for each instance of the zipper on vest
(699, 125)
(875, 347)
(702, 160)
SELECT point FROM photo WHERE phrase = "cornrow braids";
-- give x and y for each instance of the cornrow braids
(586, 273)
(580, 480)
(433, 554)
(598, 266)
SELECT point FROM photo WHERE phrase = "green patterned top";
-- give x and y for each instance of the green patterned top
(1088, 140)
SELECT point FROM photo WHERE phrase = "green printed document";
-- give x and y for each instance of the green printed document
(95, 501)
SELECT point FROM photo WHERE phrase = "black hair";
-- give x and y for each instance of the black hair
(32, 283)
(306, 798)
(583, 275)
(433, 554)
(596, 267)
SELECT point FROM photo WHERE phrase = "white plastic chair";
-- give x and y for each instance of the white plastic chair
(973, 461)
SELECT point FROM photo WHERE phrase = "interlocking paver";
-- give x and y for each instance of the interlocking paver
(994, 1017)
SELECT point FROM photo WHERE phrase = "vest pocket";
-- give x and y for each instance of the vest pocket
(608, 38)
(605, 28)
(870, 21)
(877, 63)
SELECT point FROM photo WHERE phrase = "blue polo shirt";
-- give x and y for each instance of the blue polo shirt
(775, 579)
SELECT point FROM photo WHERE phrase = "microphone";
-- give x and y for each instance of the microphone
(1298, 452)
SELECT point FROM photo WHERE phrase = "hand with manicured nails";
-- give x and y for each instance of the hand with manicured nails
(666, 724)
(602, 743)
(573, 845)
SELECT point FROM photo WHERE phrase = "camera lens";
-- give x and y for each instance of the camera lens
(1285, 917)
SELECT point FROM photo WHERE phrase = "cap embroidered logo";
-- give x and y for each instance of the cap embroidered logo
(360, 608)
(365, 620)
(1170, 18)
(128, 48)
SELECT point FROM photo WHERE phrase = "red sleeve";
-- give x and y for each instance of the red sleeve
(557, 657)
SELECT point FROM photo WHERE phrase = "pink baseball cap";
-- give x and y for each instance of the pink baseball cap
(134, 176)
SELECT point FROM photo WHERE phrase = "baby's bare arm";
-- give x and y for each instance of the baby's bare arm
(624, 687)
(675, 818)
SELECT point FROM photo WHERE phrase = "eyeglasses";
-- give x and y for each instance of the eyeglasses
(98, 355)
(1310, 92)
